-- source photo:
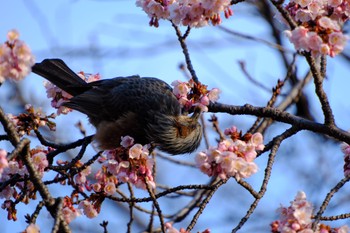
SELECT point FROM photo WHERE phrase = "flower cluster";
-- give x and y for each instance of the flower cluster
(170, 229)
(69, 212)
(346, 150)
(193, 13)
(3, 161)
(320, 23)
(81, 178)
(128, 163)
(32, 228)
(297, 218)
(32, 120)
(24, 190)
(232, 157)
(89, 209)
(16, 58)
(59, 96)
(192, 94)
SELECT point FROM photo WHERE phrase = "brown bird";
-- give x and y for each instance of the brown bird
(143, 108)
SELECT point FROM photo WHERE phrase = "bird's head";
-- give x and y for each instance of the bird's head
(176, 134)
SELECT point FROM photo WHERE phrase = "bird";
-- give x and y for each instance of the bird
(143, 108)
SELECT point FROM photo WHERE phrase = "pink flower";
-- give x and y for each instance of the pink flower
(320, 25)
(3, 161)
(297, 218)
(88, 209)
(230, 130)
(133, 165)
(96, 187)
(127, 141)
(89, 77)
(324, 49)
(135, 151)
(213, 94)
(40, 161)
(231, 158)
(342, 229)
(258, 141)
(110, 188)
(303, 3)
(194, 13)
(70, 213)
(7, 193)
(316, 9)
(328, 23)
(337, 39)
(298, 37)
(181, 89)
(334, 3)
(80, 179)
(303, 15)
(16, 59)
(32, 228)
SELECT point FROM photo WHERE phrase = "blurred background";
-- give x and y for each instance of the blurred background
(113, 38)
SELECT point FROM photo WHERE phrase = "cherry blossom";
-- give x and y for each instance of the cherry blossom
(31, 120)
(88, 209)
(346, 150)
(69, 212)
(232, 157)
(3, 161)
(298, 218)
(191, 94)
(32, 228)
(193, 13)
(16, 58)
(128, 163)
(319, 26)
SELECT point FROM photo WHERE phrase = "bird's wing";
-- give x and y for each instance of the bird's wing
(113, 98)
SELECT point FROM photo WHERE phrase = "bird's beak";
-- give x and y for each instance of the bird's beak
(197, 112)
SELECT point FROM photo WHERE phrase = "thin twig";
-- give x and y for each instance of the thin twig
(176, 161)
(326, 201)
(185, 51)
(322, 96)
(156, 205)
(204, 204)
(282, 116)
(131, 208)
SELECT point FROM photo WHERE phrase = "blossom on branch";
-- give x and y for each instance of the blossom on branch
(88, 209)
(128, 163)
(193, 13)
(32, 228)
(232, 157)
(23, 190)
(3, 161)
(69, 212)
(319, 25)
(191, 94)
(16, 58)
(346, 150)
(32, 120)
(298, 218)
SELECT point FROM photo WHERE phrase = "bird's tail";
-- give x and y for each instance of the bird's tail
(57, 72)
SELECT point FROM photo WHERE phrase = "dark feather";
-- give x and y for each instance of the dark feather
(57, 72)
